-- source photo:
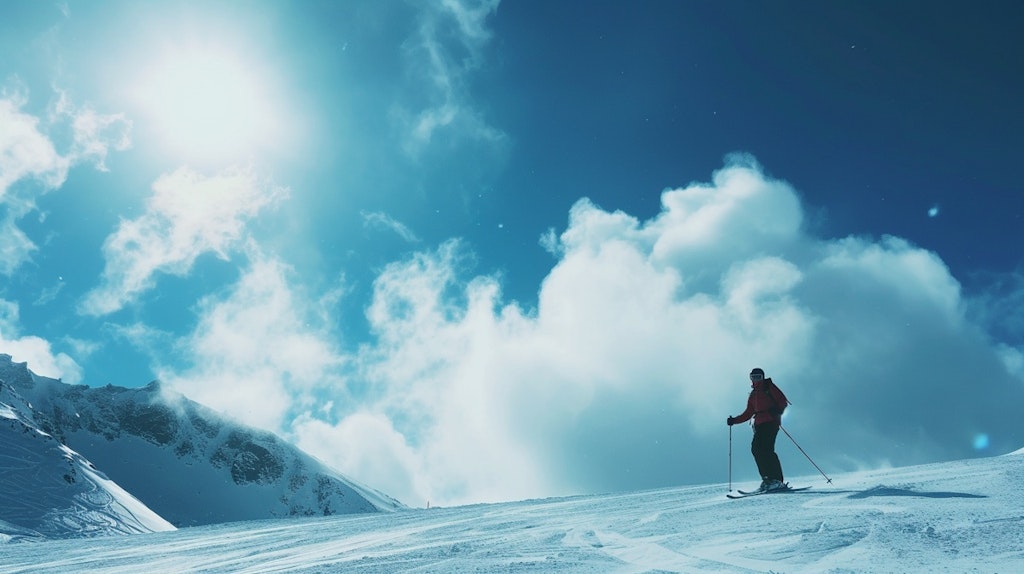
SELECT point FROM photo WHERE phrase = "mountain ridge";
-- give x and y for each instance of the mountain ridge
(188, 463)
(51, 491)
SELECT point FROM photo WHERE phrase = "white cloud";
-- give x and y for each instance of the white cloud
(370, 444)
(25, 152)
(35, 351)
(30, 158)
(257, 353)
(549, 241)
(188, 215)
(31, 165)
(623, 376)
(1014, 360)
(92, 134)
(15, 246)
(1000, 306)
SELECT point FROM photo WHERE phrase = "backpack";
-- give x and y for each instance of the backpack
(779, 409)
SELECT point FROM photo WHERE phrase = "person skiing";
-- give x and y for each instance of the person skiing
(765, 405)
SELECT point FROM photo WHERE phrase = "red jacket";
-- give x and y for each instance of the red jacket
(765, 403)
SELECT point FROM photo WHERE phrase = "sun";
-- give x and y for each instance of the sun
(207, 104)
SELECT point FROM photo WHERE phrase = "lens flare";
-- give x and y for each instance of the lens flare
(981, 441)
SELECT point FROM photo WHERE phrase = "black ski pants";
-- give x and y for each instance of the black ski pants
(763, 449)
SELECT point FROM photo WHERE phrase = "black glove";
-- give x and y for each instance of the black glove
(730, 421)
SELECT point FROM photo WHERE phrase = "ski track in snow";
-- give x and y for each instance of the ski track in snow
(51, 491)
(965, 516)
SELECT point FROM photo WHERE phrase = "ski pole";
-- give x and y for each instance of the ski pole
(730, 458)
(827, 479)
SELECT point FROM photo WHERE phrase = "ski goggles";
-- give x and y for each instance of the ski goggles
(756, 376)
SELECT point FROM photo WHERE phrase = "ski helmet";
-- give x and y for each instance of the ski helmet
(757, 373)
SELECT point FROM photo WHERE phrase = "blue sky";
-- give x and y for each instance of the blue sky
(470, 251)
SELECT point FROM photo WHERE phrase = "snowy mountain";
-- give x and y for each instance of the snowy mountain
(184, 461)
(51, 491)
(964, 516)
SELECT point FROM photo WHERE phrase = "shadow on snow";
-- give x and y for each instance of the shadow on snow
(894, 491)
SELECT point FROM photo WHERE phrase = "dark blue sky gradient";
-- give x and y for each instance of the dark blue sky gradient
(874, 111)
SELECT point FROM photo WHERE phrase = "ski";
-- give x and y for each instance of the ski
(785, 488)
(744, 493)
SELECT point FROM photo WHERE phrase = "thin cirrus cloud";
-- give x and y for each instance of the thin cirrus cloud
(188, 214)
(447, 46)
(379, 220)
(623, 375)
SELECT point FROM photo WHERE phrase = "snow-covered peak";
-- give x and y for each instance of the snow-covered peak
(48, 490)
(190, 464)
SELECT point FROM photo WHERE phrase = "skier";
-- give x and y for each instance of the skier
(765, 404)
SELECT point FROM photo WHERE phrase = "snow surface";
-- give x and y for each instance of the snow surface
(964, 516)
(49, 490)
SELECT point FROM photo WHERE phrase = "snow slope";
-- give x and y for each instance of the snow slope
(184, 461)
(49, 490)
(965, 516)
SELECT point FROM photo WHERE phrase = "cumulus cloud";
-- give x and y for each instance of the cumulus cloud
(257, 352)
(623, 375)
(188, 215)
(369, 443)
(1000, 306)
(35, 351)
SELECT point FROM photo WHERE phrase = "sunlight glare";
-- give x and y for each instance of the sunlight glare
(205, 104)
